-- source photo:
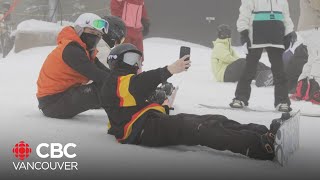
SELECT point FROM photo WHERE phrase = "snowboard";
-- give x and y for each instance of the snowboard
(260, 110)
(246, 109)
(287, 139)
(264, 79)
(172, 97)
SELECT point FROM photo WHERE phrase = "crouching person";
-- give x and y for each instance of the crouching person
(134, 119)
(63, 84)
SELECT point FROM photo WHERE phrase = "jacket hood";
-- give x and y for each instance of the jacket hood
(226, 41)
(69, 34)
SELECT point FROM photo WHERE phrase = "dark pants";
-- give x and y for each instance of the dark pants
(234, 70)
(214, 131)
(71, 102)
(279, 77)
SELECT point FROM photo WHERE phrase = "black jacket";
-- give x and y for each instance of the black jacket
(125, 98)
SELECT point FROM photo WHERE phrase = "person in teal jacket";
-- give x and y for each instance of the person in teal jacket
(225, 62)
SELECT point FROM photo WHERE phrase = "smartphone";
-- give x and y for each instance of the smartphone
(185, 51)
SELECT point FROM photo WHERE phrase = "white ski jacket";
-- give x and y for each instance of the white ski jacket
(311, 70)
(268, 21)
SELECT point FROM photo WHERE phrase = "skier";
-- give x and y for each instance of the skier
(265, 25)
(226, 64)
(134, 14)
(63, 84)
(308, 86)
(134, 119)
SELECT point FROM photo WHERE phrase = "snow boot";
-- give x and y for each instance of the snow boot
(283, 107)
(237, 104)
(276, 123)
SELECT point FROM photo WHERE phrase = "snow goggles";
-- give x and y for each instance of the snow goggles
(100, 24)
(132, 59)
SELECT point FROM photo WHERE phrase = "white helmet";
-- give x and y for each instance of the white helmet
(87, 20)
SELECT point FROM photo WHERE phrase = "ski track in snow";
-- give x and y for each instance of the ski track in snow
(21, 120)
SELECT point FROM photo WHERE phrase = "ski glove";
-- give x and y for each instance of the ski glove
(146, 26)
(167, 88)
(245, 38)
(158, 96)
(290, 38)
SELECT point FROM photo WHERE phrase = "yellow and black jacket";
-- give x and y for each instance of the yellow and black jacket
(127, 106)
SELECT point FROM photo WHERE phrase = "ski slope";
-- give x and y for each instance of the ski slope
(99, 155)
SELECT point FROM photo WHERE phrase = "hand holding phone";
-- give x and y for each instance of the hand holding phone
(185, 51)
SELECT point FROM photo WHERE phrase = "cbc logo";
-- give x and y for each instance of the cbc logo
(44, 150)
(56, 150)
(21, 150)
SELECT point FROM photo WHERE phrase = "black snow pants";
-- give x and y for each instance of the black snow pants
(71, 102)
(279, 77)
(214, 131)
(234, 70)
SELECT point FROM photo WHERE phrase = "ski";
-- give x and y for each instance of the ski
(287, 139)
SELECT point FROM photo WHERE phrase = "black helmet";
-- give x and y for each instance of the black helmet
(224, 31)
(117, 31)
(125, 57)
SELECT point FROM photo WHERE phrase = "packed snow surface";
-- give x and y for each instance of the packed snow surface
(98, 154)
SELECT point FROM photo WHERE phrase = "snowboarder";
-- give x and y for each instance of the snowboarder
(226, 64)
(133, 119)
(64, 89)
(134, 14)
(308, 86)
(265, 25)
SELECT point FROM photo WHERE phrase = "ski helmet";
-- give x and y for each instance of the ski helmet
(117, 31)
(92, 21)
(224, 31)
(126, 57)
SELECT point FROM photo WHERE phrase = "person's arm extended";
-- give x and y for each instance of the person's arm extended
(76, 58)
(101, 66)
(144, 84)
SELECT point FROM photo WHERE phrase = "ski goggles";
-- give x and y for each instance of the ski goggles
(132, 59)
(101, 25)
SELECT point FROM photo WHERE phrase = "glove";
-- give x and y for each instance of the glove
(146, 26)
(290, 38)
(245, 38)
(158, 96)
(167, 88)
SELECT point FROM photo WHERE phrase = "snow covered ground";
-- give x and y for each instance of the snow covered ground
(98, 154)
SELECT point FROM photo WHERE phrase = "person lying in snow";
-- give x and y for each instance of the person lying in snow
(226, 64)
(134, 119)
